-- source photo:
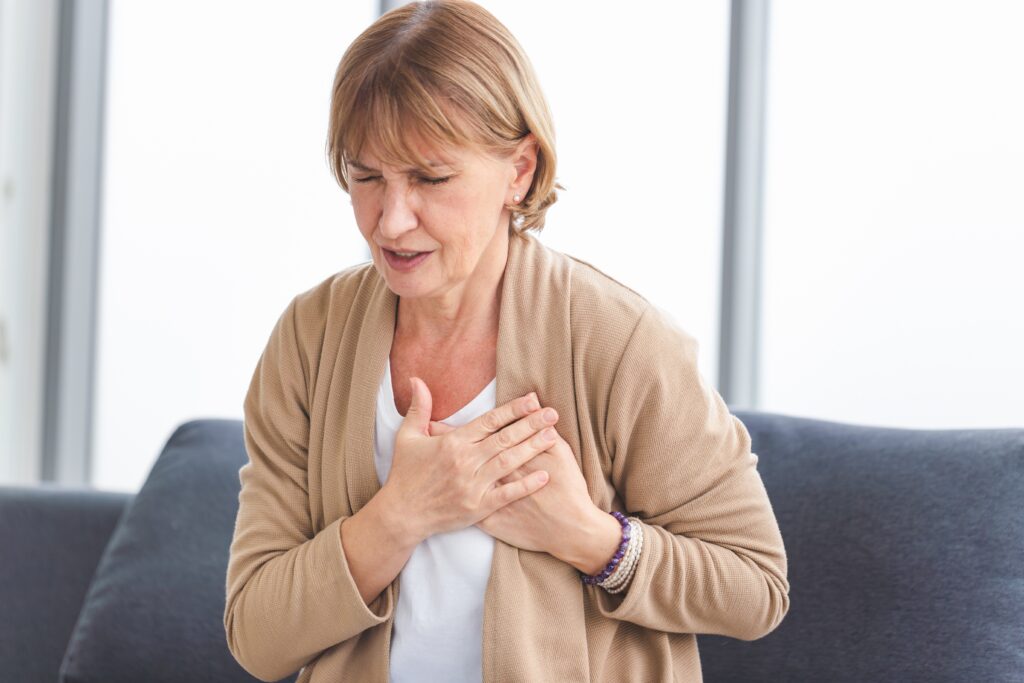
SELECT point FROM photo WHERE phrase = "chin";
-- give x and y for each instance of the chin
(405, 290)
(407, 287)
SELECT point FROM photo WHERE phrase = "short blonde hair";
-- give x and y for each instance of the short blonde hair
(446, 72)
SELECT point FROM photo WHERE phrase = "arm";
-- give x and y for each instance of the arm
(376, 546)
(290, 591)
(713, 559)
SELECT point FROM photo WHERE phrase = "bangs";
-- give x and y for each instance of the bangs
(395, 116)
(436, 78)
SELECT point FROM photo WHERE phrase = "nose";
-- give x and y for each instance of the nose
(397, 213)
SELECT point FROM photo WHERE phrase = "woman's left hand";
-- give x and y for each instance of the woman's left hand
(548, 517)
(545, 520)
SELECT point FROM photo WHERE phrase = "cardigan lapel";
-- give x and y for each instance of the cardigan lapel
(373, 347)
(533, 604)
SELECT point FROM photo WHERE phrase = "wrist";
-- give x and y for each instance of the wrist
(393, 521)
(597, 540)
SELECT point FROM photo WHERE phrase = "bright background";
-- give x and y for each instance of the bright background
(893, 222)
(219, 205)
(894, 227)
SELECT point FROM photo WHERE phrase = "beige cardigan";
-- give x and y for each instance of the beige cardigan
(652, 438)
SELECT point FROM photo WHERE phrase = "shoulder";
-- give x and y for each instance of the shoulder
(607, 316)
(601, 302)
(309, 313)
(342, 287)
(591, 286)
(334, 298)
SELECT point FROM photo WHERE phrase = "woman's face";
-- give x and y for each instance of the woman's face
(456, 213)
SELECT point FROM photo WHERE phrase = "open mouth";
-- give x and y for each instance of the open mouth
(405, 261)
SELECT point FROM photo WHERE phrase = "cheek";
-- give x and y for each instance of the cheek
(365, 209)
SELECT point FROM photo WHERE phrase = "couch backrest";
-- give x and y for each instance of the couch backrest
(905, 551)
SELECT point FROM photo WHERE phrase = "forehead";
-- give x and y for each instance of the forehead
(370, 163)
(406, 154)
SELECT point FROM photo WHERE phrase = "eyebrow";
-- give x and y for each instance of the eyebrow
(363, 167)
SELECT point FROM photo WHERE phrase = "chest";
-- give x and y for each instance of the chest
(454, 379)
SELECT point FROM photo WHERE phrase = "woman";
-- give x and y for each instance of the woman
(411, 510)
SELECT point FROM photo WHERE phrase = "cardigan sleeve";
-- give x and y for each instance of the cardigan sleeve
(713, 559)
(290, 594)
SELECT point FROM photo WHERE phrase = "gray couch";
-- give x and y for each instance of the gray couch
(905, 547)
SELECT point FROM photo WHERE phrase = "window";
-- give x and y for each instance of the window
(218, 207)
(893, 222)
(638, 96)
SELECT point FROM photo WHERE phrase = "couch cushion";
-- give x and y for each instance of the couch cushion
(905, 551)
(154, 611)
(51, 538)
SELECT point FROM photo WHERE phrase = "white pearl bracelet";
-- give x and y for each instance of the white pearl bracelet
(619, 579)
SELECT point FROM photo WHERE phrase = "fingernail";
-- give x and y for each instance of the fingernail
(549, 434)
(549, 415)
(534, 403)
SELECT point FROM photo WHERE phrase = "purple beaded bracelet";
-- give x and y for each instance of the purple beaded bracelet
(590, 580)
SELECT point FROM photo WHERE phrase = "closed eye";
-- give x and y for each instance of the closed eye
(427, 181)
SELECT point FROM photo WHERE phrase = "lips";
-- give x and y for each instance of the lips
(404, 264)
(404, 251)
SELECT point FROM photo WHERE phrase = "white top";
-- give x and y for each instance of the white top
(437, 632)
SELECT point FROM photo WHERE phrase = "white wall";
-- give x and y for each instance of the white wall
(894, 230)
(638, 94)
(218, 206)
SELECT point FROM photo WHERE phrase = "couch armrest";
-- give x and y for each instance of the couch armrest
(51, 540)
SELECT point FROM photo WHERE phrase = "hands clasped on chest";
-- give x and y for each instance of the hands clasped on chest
(508, 472)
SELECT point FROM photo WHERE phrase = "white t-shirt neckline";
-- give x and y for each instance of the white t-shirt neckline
(456, 419)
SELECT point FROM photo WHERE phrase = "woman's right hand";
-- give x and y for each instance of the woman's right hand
(450, 481)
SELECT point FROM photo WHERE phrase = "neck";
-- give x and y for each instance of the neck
(467, 311)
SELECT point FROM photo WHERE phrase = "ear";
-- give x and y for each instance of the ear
(524, 159)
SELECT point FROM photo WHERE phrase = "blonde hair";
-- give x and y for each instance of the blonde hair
(449, 72)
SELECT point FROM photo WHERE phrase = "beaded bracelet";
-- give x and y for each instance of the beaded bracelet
(619, 579)
(591, 580)
(627, 559)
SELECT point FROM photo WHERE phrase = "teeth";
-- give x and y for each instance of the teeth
(406, 254)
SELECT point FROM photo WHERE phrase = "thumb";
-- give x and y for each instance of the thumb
(439, 428)
(418, 415)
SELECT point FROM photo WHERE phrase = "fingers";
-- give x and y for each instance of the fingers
(500, 496)
(511, 459)
(493, 420)
(510, 477)
(517, 432)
